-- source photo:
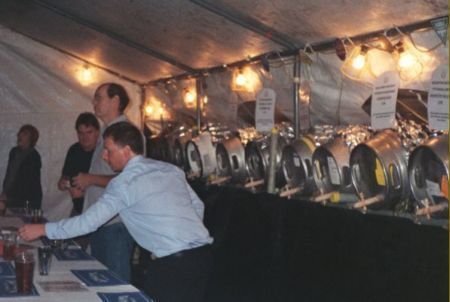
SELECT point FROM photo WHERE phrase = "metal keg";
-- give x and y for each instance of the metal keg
(230, 154)
(428, 175)
(201, 155)
(257, 155)
(331, 170)
(178, 140)
(379, 170)
(296, 162)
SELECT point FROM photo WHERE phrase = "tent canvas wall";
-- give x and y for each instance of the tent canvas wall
(39, 87)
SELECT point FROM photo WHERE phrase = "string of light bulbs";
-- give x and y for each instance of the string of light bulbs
(405, 54)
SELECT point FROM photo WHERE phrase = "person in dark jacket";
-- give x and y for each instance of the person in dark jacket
(22, 183)
(78, 158)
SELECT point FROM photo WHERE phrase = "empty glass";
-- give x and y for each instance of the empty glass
(45, 259)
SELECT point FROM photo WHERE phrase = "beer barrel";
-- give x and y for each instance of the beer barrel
(257, 155)
(179, 139)
(201, 155)
(331, 170)
(230, 154)
(296, 161)
(428, 174)
(379, 170)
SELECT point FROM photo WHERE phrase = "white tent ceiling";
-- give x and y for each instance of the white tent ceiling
(145, 40)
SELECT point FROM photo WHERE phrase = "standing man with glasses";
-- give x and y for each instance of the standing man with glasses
(111, 244)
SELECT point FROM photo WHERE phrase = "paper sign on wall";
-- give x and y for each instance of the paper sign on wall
(384, 99)
(265, 109)
(438, 99)
(304, 99)
(440, 26)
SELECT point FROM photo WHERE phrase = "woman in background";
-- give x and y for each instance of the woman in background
(22, 181)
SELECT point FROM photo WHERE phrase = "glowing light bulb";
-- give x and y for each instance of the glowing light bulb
(408, 64)
(205, 99)
(189, 97)
(304, 94)
(359, 61)
(86, 74)
(240, 79)
(406, 60)
(149, 109)
(161, 110)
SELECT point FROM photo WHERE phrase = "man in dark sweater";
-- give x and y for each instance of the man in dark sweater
(78, 158)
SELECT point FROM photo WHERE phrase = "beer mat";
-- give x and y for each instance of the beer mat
(6, 270)
(124, 296)
(98, 277)
(8, 288)
(72, 255)
(62, 286)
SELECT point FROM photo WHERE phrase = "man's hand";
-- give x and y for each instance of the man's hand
(63, 183)
(29, 232)
(76, 193)
(82, 181)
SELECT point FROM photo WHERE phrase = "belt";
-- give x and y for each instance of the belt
(183, 253)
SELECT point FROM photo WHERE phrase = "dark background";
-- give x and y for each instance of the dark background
(268, 248)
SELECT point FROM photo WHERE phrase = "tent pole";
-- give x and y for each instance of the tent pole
(143, 98)
(317, 47)
(296, 86)
(199, 88)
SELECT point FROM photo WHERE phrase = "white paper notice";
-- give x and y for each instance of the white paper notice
(265, 109)
(433, 188)
(296, 161)
(304, 99)
(438, 99)
(384, 99)
(334, 171)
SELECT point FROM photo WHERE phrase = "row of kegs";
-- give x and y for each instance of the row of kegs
(403, 169)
